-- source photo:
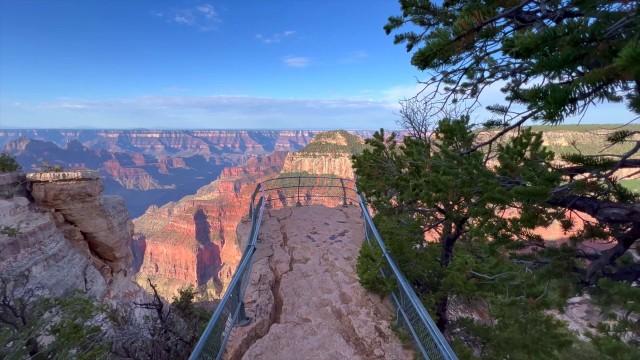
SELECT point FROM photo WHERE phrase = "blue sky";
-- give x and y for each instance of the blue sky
(201, 64)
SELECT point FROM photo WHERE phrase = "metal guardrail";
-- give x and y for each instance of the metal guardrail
(230, 310)
(307, 190)
(411, 313)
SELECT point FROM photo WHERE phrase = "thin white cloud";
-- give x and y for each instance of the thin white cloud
(276, 37)
(296, 61)
(355, 57)
(203, 17)
(222, 111)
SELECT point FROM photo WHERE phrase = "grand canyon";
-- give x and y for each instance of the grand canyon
(147, 167)
(176, 241)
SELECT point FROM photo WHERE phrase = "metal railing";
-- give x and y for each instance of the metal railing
(309, 190)
(230, 310)
(411, 313)
(328, 191)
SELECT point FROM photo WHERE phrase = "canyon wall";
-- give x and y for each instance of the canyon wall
(329, 153)
(193, 241)
(148, 167)
(61, 236)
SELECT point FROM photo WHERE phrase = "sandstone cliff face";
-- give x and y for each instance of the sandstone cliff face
(69, 238)
(329, 153)
(319, 164)
(102, 222)
(193, 241)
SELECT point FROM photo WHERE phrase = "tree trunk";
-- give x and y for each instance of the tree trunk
(449, 238)
(608, 257)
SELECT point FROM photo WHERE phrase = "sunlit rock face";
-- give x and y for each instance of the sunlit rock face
(102, 221)
(320, 164)
(193, 241)
(329, 153)
(62, 236)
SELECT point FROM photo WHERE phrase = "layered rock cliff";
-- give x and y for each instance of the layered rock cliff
(329, 153)
(66, 281)
(62, 235)
(193, 241)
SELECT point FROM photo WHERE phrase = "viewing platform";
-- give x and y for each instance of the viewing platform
(296, 293)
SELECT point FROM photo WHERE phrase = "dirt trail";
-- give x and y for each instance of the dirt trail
(304, 298)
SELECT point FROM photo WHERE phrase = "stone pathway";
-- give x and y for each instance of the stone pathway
(304, 297)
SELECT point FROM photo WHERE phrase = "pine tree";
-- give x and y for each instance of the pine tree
(458, 187)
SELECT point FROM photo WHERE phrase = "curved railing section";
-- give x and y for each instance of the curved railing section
(286, 191)
(330, 191)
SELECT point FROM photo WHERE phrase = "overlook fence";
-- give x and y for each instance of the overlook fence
(309, 190)
(329, 191)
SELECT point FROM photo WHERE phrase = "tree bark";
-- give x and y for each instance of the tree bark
(608, 257)
(449, 238)
(609, 213)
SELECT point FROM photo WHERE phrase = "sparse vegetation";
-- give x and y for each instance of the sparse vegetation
(335, 142)
(8, 163)
(69, 323)
(46, 167)
(10, 231)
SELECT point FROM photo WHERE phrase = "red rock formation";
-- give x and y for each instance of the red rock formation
(193, 241)
(130, 177)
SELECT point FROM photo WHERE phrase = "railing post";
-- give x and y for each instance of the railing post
(243, 319)
(299, 203)
(344, 193)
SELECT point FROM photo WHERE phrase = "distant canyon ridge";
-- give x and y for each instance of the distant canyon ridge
(148, 167)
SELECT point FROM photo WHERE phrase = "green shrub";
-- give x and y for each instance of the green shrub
(370, 262)
(8, 163)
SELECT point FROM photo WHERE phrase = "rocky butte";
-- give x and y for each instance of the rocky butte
(328, 154)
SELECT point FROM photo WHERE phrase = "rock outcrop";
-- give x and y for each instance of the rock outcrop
(193, 241)
(329, 153)
(62, 236)
(102, 222)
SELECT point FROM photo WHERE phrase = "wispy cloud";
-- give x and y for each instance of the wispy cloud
(203, 17)
(296, 61)
(221, 111)
(355, 57)
(276, 37)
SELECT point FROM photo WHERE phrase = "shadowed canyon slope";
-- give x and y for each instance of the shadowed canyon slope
(193, 241)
